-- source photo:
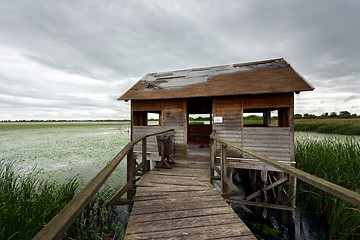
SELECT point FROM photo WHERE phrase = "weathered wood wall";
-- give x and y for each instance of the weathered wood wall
(173, 116)
(274, 142)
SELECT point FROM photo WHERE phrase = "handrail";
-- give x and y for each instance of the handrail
(334, 189)
(67, 216)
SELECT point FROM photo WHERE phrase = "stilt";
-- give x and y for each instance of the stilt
(279, 198)
(253, 179)
(264, 189)
(292, 198)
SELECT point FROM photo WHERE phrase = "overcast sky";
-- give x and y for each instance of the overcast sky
(72, 59)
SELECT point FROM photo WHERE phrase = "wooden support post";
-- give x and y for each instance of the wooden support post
(130, 174)
(264, 189)
(292, 196)
(279, 197)
(253, 179)
(212, 157)
(224, 186)
(146, 166)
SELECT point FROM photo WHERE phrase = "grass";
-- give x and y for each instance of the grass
(335, 126)
(337, 161)
(27, 204)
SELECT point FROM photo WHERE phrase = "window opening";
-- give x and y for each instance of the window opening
(266, 117)
(145, 118)
(153, 119)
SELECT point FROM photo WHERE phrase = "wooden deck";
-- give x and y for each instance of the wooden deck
(180, 203)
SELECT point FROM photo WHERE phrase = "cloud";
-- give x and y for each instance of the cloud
(68, 55)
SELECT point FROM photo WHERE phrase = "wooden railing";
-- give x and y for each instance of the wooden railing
(336, 190)
(67, 216)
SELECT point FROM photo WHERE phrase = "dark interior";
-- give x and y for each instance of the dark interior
(199, 134)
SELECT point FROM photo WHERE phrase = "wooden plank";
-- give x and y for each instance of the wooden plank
(172, 224)
(336, 190)
(167, 188)
(179, 206)
(157, 199)
(230, 230)
(174, 181)
(67, 216)
(165, 177)
(180, 203)
(168, 200)
(179, 214)
(146, 194)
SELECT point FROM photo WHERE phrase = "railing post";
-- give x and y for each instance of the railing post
(223, 168)
(130, 174)
(292, 195)
(146, 166)
(212, 157)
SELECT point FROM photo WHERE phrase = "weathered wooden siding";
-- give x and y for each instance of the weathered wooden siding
(229, 108)
(173, 116)
(273, 142)
(267, 101)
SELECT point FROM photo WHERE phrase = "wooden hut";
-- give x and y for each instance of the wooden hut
(225, 94)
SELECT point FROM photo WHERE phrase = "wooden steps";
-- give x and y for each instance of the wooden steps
(180, 203)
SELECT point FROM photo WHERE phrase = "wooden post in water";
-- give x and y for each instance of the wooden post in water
(253, 179)
(292, 197)
(224, 174)
(146, 166)
(130, 174)
(279, 198)
(212, 157)
(264, 190)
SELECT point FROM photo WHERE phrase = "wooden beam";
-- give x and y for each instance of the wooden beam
(336, 190)
(260, 204)
(117, 196)
(67, 216)
(257, 193)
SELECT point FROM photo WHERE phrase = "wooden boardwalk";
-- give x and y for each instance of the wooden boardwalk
(180, 203)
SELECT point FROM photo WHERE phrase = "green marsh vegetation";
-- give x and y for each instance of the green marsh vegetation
(43, 165)
(344, 126)
(27, 203)
(338, 161)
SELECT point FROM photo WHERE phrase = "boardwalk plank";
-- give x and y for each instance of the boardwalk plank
(230, 230)
(145, 194)
(179, 214)
(179, 206)
(180, 203)
(171, 200)
(173, 224)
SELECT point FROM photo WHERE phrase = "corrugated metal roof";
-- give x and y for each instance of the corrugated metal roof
(270, 76)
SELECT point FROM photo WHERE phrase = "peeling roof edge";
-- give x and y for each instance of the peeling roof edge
(217, 95)
(170, 74)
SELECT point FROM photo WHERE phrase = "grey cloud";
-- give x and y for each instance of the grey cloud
(117, 42)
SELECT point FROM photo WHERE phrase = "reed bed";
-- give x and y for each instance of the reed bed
(334, 126)
(28, 203)
(337, 161)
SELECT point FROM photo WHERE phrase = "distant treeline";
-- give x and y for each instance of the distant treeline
(341, 114)
(104, 120)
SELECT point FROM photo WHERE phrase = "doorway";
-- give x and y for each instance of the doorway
(199, 124)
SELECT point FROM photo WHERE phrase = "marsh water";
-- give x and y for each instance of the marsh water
(62, 151)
